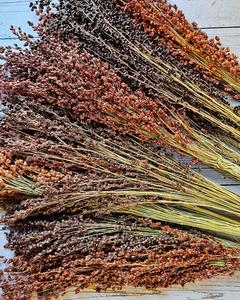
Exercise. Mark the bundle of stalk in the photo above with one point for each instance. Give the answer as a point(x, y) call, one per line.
point(71, 233)
point(55, 254)
point(164, 21)
point(71, 169)
point(57, 176)
point(109, 34)
point(165, 24)
point(62, 75)
point(68, 168)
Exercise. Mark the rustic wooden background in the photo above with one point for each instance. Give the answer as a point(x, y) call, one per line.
point(216, 17)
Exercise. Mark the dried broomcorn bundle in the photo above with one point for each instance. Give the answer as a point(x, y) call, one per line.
point(60, 74)
point(70, 167)
point(53, 255)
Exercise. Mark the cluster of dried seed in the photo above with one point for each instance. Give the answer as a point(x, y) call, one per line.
point(165, 22)
point(61, 158)
point(85, 86)
point(98, 172)
point(67, 176)
point(109, 33)
point(70, 251)
point(61, 74)
point(165, 25)
point(140, 62)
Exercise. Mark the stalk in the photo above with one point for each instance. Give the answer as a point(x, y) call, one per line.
point(87, 89)
point(63, 252)
point(184, 39)
point(127, 177)
point(128, 46)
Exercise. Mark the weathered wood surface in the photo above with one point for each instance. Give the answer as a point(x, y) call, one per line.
point(211, 13)
point(216, 17)
point(15, 13)
point(229, 37)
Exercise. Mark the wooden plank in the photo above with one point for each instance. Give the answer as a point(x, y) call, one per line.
point(228, 37)
point(6, 20)
point(214, 289)
point(210, 13)
point(15, 13)
point(219, 178)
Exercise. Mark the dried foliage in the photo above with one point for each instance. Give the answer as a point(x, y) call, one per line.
point(79, 175)
point(166, 25)
point(57, 254)
point(108, 33)
point(71, 233)
point(63, 75)
point(165, 22)
point(73, 167)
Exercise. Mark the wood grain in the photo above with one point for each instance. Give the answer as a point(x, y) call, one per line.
point(228, 36)
point(211, 13)
point(15, 13)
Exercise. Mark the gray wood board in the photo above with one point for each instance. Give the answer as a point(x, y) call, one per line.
point(211, 13)
point(15, 13)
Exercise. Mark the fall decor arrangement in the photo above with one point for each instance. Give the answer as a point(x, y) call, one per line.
point(94, 111)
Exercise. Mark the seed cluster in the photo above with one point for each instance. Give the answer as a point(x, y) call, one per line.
point(61, 74)
point(165, 24)
point(79, 168)
point(78, 174)
point(69, 234)
point(164, 21)
point(56, 254)
point(83, 85)
point(150, 63)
